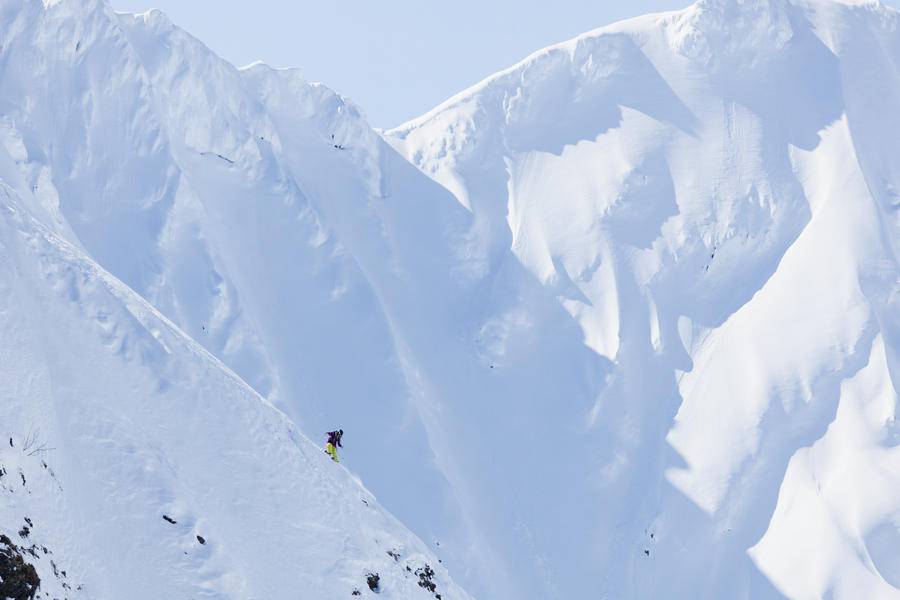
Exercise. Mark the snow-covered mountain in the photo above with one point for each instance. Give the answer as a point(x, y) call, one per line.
point(710, 196)
point(113, 420)
point(630, 330)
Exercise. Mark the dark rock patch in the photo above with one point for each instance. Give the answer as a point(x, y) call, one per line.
point(18, 579)
point(373, 580)
point(426, 580)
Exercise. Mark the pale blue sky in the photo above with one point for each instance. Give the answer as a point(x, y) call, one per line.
point(395, 58)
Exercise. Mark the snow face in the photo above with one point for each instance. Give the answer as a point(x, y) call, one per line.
point(138, 466)
point(233, 213)
point(629, 330)
point(705, 195)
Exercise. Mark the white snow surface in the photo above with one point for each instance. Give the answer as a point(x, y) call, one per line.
point(114, 419)
point(630, 329)
point(710, 198)
point(111, 416)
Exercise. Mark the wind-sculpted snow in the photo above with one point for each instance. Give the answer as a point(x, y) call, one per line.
point(724, 231)
point(630, 330)
point(724, 34)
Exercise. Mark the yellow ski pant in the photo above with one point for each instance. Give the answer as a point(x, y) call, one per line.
point(332, 451)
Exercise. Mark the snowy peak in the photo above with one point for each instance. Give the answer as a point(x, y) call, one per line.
point(722, 34)
point(715, 35)
point(700, 191)
point(158, 179)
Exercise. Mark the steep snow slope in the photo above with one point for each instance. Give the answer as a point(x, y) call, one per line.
point(112, 418)
point(218, 195)
point(339, 282)
point(710, 195)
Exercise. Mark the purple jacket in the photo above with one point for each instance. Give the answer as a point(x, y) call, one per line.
point(334, 438)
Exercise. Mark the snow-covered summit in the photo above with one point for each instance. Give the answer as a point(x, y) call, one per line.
point(721, 34)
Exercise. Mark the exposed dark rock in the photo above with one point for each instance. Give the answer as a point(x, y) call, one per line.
point(169, 519)
point(373, 580)
point(426, 579)
point(201, 539)
point(18, 579)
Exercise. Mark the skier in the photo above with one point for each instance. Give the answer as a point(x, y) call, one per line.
point(333, 443)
